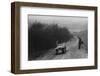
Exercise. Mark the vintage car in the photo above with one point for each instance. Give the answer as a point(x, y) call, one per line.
point(61, 48)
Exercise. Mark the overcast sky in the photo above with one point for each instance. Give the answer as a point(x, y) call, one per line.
point(74, 24)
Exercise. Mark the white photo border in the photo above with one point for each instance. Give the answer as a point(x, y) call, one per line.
point(25, 64)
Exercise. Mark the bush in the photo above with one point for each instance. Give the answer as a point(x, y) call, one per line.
point(42, 37)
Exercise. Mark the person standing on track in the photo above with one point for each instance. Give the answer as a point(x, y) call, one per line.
point(80, 42)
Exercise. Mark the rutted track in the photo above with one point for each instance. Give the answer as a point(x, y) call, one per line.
point(72, 53)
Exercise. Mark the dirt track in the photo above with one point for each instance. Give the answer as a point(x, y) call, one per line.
point(72, 53)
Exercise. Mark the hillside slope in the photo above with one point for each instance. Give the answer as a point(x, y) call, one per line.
point(72, 53)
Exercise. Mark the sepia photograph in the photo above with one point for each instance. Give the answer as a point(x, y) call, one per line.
point(52, 37)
